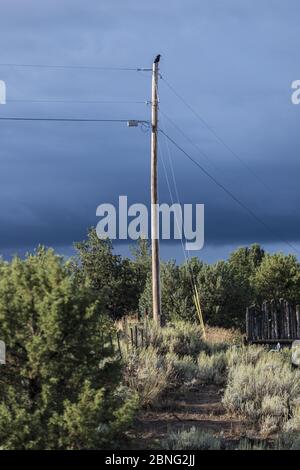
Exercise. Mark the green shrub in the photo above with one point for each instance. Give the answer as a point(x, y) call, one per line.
point(192, 439)
point(262, 387)
point(293, 424)
point(212, 368)
point(269, 424)
point(244, 355)
point(147, 373)
point(289, 441)
point(181, 338)
point(185, 370)
point(53, 394)
point(246, 444)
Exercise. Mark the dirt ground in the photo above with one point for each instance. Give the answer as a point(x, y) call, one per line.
point(201, 408)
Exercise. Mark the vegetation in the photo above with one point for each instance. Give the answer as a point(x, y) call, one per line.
point(69, 384)
point(263, 387)
point(60, 386)
point(191, 439)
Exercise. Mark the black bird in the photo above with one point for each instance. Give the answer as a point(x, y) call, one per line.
point(157, 59)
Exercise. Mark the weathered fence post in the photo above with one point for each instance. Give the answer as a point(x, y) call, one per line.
point(298, 321)
point(248, 328)
point(136, 336)
point(293, 321)
point(119, 344)
point(274, 332)
point(131, 336)
point(287, 319)
point(282, 318)
point(273, 321)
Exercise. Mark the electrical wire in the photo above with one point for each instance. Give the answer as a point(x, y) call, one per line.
point(74, 101)
point(186, 253)
point(227, 191)
point(199, 149)
point(87, 67)
point(216, 135)
point(69, 119)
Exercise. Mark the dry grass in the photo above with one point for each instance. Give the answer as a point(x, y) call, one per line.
point(191, 439)
point(212, 368)
point(262, 387)
point(215, 335)
point(147, 373)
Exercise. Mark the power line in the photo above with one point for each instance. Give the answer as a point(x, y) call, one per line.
point(217, 136)
point(42, 100)
point(227, 191)
point(87, 67)
point(68, 119)
point(204, 154)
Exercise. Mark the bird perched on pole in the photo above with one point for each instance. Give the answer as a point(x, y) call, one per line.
point(157, 59)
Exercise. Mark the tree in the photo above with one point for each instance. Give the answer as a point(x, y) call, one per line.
point(221, 295)
point(246, 260)
point(141, 264)
point(244, 263)
point(278, 276)
point(112, 277)
point(176, 290)
point(57, 389)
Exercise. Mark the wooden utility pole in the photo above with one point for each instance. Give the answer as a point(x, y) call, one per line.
point(156, 307)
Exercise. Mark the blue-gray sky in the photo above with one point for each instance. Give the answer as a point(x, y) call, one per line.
point(232, 61)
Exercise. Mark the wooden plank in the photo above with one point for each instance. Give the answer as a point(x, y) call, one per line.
point(298, 321)
point(278, 319)
point(274, 320)
point(282, 319)
point(287, 319)
point(119, 344)
point(131, 337)
point(259, 322)
point(272, 341)
point(264, 321)
point(248, 325)
point(268, 320)
point(293, 321)
point(254, 325)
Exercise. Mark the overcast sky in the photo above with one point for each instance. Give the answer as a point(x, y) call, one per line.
point(232, 61)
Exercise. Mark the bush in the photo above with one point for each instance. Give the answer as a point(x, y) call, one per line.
point(181, 338)
point(293, 424)
point(246, 444)
point(244, 355)
point(147, 373)
point(192, 439)
point(217, 335)
point(185, 369)
point(262, 387)
point(289, 441)
point(212, 368)
point(53, 394)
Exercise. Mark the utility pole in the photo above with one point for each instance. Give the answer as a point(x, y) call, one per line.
point(156, 307)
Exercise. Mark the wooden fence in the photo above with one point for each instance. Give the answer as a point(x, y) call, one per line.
point(273, 322)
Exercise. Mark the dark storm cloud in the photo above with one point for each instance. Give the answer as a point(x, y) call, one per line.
point(233, 61)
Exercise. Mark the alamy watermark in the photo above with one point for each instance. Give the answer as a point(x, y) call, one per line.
point(2, 92)
point(175, 222)
point(295, 97)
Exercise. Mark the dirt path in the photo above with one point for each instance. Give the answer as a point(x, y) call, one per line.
point(201, 408)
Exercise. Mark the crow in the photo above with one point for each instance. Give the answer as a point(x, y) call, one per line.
point(157, 58)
